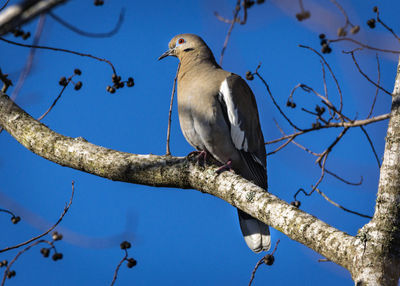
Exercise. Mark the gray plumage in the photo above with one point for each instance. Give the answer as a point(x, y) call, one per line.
point(218, 114)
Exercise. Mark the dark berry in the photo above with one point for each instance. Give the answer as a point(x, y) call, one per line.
point(249, 76)
point(269, 259)
point(375, 9)
point(3, 263)
point(131, 262)
point(130, 82)
point(45, 252)
point(125, 245)
point(63, 81)
point(57, 256)
point(322, 36)
point(15, 219)
point(371, 23)
point(26, 35)
point(11, 274)
point(98, 2)
point(77, 71)
point(57, 236)
point(78, 85)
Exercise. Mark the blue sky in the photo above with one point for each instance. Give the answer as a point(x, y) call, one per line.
point(183, 237)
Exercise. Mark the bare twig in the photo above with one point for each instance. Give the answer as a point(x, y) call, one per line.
point(330, 71)
point(372, 146)
point(364, 45)
point(55, 101)
point(5, 4)
point(355, 123)
point(228, 35)
point(341, 207)
point(364, 74)
point(274, 101)
point(377, 89)
point(20, 253)
point(168, 152)
point(66, 208)
point(29, 62)
point(378, 19)
point(61, 50)
point(118, 267)
point(90, 34)
point(261, 261)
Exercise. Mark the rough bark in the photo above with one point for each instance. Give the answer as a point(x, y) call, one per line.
point(378, 249)
point(372, 257)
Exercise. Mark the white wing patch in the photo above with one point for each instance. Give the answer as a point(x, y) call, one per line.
point(237, 134)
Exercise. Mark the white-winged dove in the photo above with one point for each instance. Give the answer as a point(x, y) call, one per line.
point(218, 114)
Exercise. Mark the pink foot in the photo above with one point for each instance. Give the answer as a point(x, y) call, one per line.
point(201, 156)
point(226, 167)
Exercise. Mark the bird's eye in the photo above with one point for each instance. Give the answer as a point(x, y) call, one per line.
point(181, 41)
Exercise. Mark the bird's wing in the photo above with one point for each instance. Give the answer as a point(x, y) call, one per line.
point(240, 108)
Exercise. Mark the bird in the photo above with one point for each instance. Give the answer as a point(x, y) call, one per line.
point(218, 116)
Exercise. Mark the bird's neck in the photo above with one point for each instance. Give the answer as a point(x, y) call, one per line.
point(195, 62)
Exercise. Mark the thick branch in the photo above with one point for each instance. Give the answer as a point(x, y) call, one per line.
point(17, 15)
point(167, 171)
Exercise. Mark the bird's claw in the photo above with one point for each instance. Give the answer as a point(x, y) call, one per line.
point(226, 167)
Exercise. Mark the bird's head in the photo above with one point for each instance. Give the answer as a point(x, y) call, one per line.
point(187, 45)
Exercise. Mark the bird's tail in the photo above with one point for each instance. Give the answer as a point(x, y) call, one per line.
point(255, 233)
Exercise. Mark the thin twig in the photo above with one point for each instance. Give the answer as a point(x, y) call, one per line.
point(5, 4)
point(66, 208)
point(261, 261)
point(343, 12)
point(341, 207)
point(61, 50)
point(364, 45)
point(372, 146)
point(364, 74)
point(274, 101)
point(228, 35)
point(118, 266)
point(90, 34)
point(170, 110)
point(29, 62)
point(386, 26)
point(55, 101)
point(19, 254)
point(355, 123)
point(343, 180)
point(377, 89)
point(330, 71)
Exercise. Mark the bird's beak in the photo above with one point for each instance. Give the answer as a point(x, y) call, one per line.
point(170, 52)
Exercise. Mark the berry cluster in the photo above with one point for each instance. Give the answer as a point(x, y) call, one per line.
point(17, 32)
point(326, 49)
point(9, 274)
point(249, 3)
point(64, 81)
point(131, 262)
point(46, 251)
point(290, 104)
point(372, 22)
point(117, 83)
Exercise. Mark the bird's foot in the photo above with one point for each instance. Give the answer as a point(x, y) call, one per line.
point(226, 167)
point(201, 156)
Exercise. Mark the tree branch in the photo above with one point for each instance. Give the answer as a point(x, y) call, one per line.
point(168, 171)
